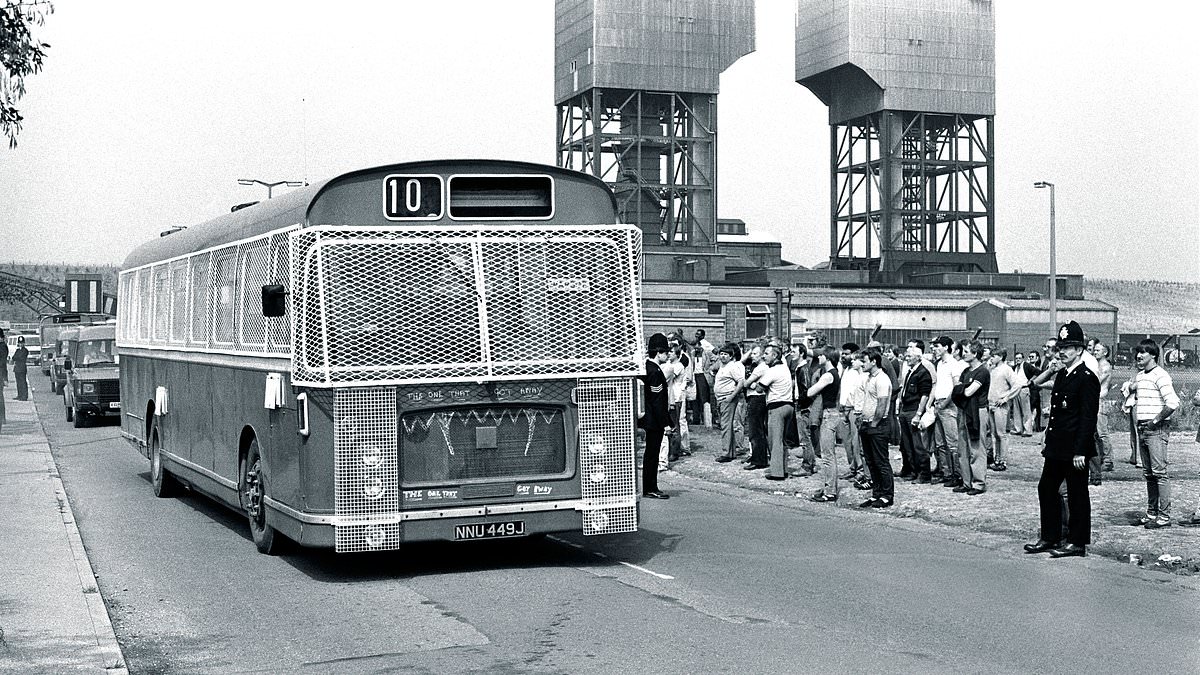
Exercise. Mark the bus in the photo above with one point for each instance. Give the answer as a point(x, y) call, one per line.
point(437, 350)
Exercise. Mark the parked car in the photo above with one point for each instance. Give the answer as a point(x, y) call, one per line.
point(93, 386)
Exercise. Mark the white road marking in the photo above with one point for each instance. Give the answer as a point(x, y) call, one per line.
point(598, 554)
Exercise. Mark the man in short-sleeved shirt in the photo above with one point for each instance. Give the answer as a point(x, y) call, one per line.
point(877, 398)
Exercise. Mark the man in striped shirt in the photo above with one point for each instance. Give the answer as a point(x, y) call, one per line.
point(1156, 401)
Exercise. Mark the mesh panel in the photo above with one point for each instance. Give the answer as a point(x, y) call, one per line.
point(606, 449)
point(279, 329)
point(425, 304)
point(162, 303)
point(254, 271)
point(179, 301)
point(198, 267)
point(223, 299)
point(463, 444)
point(366, 472)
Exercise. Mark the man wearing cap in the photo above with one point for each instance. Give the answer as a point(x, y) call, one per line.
point(1070, 441)
point(656, 416)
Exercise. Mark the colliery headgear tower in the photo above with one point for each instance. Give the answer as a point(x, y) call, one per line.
point(635, 82)
point(910, 86)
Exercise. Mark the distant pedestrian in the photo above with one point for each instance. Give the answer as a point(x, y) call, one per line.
point(974, 422)
point(824, 394)
point(727, 386)
point(1103, 460)
point(1001, 392)
point(1034, 366)
point(3, 374)
point(777, 382)
point(1155, 403)
point(20, 369)
point(1070, 441)
point(915, 389)
point(944, 432)
point(655, 415)
point(1021, 412)
point(877, 398)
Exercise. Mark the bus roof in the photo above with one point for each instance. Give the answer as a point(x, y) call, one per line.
point(356, 198)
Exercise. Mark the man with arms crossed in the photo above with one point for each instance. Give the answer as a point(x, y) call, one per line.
point(916, 385)
point(944, 432)
point(824, 393)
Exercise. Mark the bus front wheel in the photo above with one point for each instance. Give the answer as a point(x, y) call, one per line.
point(254, 492)
point(163, 482)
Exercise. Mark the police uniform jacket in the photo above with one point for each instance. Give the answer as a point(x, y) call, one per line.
point(1074, 404)
point(655, 395)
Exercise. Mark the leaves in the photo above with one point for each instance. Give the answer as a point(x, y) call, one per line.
point(20, 56)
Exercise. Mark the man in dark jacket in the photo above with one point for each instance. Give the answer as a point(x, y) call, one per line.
point(1070, 442)
point(656, 415)
point(21, 369)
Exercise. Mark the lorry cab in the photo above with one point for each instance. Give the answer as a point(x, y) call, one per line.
point(92, 389)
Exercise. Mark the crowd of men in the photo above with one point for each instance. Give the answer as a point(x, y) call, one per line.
point(950, 406)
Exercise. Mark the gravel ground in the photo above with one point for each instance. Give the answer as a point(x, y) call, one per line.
point(1009, 507)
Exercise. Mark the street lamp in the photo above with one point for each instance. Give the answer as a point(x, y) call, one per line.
point(269, 186)
point(1053, 276)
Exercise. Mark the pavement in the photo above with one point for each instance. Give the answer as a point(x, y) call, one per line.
point(52, 618)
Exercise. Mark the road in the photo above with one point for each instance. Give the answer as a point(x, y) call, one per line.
point(717, 580)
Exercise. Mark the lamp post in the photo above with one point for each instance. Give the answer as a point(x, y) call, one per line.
point(1053, 276)
point(269, 186)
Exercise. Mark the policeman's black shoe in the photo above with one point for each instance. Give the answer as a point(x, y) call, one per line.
point(1068, 551)
point(1041, 546)
point(656, 494)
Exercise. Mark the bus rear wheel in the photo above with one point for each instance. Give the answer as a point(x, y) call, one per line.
point(163, 482)
point(254, 492)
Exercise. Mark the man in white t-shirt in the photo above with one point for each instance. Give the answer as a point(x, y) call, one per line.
point(945, 428)
point(777, 381)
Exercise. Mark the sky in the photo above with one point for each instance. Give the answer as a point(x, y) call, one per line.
point(147, 113)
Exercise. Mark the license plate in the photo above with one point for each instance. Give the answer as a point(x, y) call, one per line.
point(115, 405)
point(514, 528)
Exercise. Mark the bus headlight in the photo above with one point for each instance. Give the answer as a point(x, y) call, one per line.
point(596, 445)
point(89, 388)
point(373, 489)
point(371, 456)
point(599, 520)
point(375, 536)
point(597, 475)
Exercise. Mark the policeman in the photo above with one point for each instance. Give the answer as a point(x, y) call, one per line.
point(1070, 442)
point(655, 417)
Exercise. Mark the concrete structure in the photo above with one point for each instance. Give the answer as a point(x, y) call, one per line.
point(635, 82)
point(910, 86)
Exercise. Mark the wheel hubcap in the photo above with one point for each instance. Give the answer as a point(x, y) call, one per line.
point(254, 492)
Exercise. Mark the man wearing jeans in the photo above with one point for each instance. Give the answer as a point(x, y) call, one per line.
point(944, 432)
point(1156, 402)
point(824, 394)
point(777, 381)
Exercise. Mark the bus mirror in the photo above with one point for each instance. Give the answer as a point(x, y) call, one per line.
point(67, 364)
point(274, 300)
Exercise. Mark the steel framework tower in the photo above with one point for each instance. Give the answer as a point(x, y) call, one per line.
point(910, 86)
point(635, 86)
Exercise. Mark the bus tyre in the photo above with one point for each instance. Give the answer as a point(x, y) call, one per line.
point(163, 482)
point(254, 492)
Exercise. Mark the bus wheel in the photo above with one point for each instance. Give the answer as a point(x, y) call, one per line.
point(254, 492)
point(163, 482)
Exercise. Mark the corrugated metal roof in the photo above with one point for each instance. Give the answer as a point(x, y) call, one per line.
point(849, 298)
point(1061, 305)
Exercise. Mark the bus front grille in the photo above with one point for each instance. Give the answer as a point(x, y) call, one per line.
point(366, 471)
